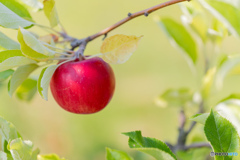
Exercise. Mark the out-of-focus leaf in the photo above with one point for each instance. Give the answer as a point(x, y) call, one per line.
point(21, 150)
point(221, 134)
point(7, 44)
point(9, 54)
point(151, 146)
point(35, 5)
point(226, 13)
point(50, 157)
point(180, 36)
point(27, 90)
point(118, 49)
point(44, 80)
point(3, 156)
point(5, 74)
point(175, 97)
point(17, 8)
point(7, 130)
point(113, 154)
point(19, 76)
point(200, 118)
point(217, 32)
point(10, 19)
point(32, 47)
point(51, 12)
point(225, 67)
point(208, 80)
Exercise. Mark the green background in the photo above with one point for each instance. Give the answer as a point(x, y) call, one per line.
point(153, 68)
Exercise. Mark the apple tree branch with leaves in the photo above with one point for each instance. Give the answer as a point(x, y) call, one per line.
point(75, 79)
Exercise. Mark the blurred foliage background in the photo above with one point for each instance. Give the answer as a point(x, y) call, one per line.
point(154, 67)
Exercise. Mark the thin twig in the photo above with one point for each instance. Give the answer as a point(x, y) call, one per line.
point(77, 42)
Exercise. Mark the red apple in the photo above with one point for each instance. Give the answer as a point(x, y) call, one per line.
point(83, 87)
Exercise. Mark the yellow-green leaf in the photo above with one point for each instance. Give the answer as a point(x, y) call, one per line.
point(32, 48)
point(44, 80)
point(10, 19)
point(6, 43)
point(51, 12)
point(119, 48)
point(19, 76)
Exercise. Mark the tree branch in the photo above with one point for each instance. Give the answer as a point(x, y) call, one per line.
point(197, 145)
point(77, 42)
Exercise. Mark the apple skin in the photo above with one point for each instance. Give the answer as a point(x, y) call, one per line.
point(83, 87)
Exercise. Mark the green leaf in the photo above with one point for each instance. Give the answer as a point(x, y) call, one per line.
point(200, 118)
point(175, 97)
point(221, 134)
point(225, 67)
point(35, 5)
point(21, 150)
point(50, 157)
point(113, 154)
point(32, 47)
point(226, 13)
point(4, 55)
point(229, 108)
point(27, 90)
point(13, 20)
point(44, 80)
point(5, 74)
point(51, 12)
point(15, 62)
point(7, 130)
point(17, 8)
point(3, 156)
point(7, 44)
point(151, 146)
point(181, 37)
point(19, 76)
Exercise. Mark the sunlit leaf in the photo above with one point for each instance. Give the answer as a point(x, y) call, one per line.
point(32, 47)
point(51, 12)
point(21, 149)
point(175, 98)
point(50, 157)
point(13, 58)
point(44, 80)
point(7, 130)
point(200, 118)
point(17, 8)
point(180, 36)
point(27, 90)
point(221, 134)
point(9, 19)
point(226, 13)
point(113, 154)
point(7, 44)
point(5, 74)
point(229, 108)
point(19, 76)
point(151, 146)
point(118, 49)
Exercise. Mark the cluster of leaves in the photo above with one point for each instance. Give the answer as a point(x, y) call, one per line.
point(19, 60)
point(15, 148)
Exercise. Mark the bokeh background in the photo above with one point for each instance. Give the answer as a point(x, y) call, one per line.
point(153, 68)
